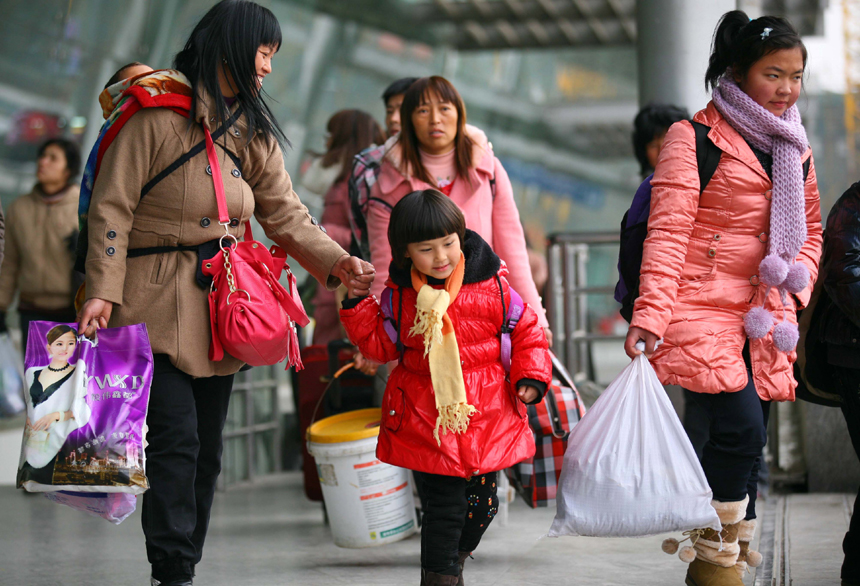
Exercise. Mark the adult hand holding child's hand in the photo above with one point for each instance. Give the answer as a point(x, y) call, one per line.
point(527, 394)
point(357, 275)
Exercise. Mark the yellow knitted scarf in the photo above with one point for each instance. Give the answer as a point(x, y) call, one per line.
point(440, 345)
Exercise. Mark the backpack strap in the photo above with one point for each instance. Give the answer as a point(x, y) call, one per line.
point(806, 165)
point(193, 152)
point(392, 324)
point(388, 311)
point(512, 317)
point(707, 154)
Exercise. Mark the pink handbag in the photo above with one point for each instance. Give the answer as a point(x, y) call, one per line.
point(253, 317)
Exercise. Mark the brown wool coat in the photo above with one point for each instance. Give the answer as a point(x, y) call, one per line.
point(160, 290)
point(38, 259)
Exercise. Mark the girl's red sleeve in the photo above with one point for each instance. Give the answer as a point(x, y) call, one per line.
point(529, 351)
point(365, 327)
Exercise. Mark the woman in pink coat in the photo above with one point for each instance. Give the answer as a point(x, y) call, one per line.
point(349, 133)
point(724, 272)
point(436, 149)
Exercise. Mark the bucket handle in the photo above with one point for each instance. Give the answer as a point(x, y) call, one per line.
point(334, 377)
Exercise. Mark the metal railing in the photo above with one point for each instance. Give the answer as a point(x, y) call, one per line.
point(252, 435)
point(567, 299)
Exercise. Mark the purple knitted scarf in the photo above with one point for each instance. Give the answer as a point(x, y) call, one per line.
point(785, 139)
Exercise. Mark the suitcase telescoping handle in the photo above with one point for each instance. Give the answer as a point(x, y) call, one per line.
point(552, 404)
point(334, 377)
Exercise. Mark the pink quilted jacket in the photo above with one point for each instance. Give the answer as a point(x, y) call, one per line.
point(496, 219)
point(699, 265)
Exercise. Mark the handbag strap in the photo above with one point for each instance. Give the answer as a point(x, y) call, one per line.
point(218, 181)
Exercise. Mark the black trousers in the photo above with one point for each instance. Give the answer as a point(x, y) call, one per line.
point(737, 427)
point(849, 389)
point(186, 418)
point(456, 515)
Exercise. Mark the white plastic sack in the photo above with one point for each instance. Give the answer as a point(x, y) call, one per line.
point(629, 469)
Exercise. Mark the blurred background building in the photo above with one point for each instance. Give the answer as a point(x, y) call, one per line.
point(555, 84)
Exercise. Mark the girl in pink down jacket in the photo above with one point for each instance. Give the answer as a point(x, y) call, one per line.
point(496, 219)
point(723, 273)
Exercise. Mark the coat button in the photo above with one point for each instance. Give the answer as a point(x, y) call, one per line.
point(208, 169)
point(392, 413)
point(110, 251)
point(236, 133)
point(111, 234)
point(314, 221)
point(323, 229)
point(205, 222)
point(768, 195)
point(234, 222)
point(717, 236)
point(712, 253)
point(236, 173)
point(762, 237)
point(754, 281)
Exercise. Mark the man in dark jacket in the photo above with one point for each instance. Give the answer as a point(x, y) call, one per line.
point(840, 332)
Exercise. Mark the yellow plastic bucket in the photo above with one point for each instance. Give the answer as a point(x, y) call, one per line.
point(369, 503)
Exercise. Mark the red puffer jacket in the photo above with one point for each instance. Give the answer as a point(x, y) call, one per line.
point(498, 435)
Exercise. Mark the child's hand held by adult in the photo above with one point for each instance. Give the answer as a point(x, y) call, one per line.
point(527, 394)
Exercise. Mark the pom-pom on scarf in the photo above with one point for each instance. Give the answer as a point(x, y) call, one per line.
point(784, 138)
point(440, 347)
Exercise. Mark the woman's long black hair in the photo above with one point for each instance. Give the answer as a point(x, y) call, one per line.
point(738, 43)
point(230, 35)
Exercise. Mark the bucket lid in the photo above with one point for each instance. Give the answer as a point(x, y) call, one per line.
point(346, 427)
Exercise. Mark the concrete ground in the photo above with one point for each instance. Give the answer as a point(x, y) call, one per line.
point(270, 534)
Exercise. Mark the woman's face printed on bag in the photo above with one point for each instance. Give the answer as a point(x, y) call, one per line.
point(63, 347)
point(775, 80)
point(435, 124)
point(435, 258)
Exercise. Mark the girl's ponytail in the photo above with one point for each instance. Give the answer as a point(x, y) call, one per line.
point(723, 45)
point(739, 42)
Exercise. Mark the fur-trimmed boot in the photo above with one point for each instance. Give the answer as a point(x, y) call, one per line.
point(464, 555)
point(713, 554)
point(717, 552)
point(747, 557)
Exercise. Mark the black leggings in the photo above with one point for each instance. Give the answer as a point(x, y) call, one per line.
point(458, 512)
point(731, 457)
point(186, 417)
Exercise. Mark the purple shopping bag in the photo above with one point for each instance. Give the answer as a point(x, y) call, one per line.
point(86, 410)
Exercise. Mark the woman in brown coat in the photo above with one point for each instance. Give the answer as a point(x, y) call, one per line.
point(40, 241)
point(224, 63)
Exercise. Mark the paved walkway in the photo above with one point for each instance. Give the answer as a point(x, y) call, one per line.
point(270, 534)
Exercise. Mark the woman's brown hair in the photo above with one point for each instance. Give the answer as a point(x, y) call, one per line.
point(57, 332)
point(417, 94)
point(351, 132)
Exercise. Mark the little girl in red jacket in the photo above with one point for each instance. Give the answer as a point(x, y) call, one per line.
point(450, 411)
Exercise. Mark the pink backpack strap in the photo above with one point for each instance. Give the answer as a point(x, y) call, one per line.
point(388, 311)
point(512, 317)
